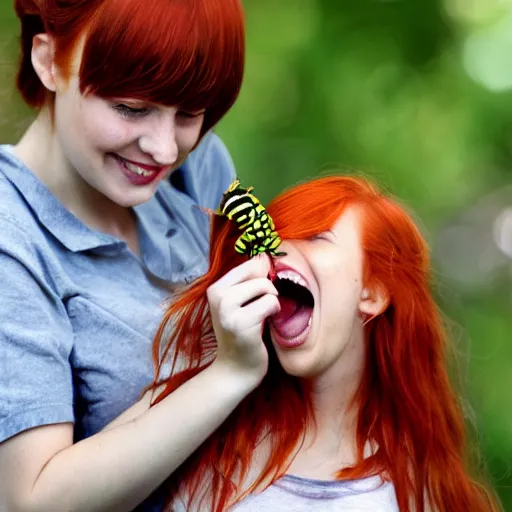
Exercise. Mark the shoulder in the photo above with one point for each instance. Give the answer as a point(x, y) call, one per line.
point(23, 245)
point(25, 250)
point(207, 172)
point(35, 332)
point(17, 187)
point(14, 211)
point(212, 156)
point(19, 239)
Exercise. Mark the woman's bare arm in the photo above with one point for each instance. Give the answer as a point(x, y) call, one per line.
point(117, 468)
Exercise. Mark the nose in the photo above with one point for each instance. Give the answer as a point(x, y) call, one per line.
point(159, 139)
point(286, 246)
point(294, 251)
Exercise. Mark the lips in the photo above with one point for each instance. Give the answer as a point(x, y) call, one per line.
point(138, 173)
point(290, 327)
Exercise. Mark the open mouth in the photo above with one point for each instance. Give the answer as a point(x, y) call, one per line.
point(291, 325)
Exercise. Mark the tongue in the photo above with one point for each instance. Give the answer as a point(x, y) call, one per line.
point(292, 319)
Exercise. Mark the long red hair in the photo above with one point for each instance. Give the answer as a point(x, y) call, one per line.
point(188, 54)
point(405, 402)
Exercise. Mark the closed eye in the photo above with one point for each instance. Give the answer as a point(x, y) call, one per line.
point(128, 111)
point(325, 235)
point(190, 115)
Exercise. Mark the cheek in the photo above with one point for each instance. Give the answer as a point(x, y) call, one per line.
point(97, 125)
point(340, 285)
point(88, 120)
point(187, 137)
point(104, 128)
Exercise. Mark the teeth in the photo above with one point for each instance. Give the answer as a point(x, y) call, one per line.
point(291, 275)
point(137, 170)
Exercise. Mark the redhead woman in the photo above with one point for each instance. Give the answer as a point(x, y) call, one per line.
point(355, 410)
point(98, 224)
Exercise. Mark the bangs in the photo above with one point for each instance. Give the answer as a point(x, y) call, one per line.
point(186, 53)
point(309, 208)
point(314, 207)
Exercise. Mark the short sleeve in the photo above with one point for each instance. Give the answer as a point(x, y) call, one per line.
point(35, 338)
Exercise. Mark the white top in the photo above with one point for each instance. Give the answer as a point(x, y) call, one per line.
point(296, 494)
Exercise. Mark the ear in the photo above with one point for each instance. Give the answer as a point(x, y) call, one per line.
point(374, 301)
point(43, 60)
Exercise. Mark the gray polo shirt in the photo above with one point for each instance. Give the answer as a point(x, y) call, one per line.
point(78, 307)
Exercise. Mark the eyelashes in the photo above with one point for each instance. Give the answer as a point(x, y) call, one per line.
point(190, 115)
point(134, 112)
point(324, 235)
point(128, 111)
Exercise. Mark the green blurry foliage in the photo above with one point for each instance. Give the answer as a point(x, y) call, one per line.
point(379, 87)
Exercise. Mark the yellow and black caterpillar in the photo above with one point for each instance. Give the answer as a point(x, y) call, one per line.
point(243, 208)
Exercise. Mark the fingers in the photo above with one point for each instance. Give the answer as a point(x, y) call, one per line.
point(239, 304)
point(248, 321)
point(260, 309)
point(240, 294)
point(259, 266)
point(246, 304)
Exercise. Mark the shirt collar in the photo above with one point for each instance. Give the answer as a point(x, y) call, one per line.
point(50, 212)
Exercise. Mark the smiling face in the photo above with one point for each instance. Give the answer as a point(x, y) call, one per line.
point(125, 89)
point(121, 147)
point(320, 281)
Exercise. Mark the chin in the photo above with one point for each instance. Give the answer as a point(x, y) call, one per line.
point(303, 373)
point(131, 200)
point(297, 366)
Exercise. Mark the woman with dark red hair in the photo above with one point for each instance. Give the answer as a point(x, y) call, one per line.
point(99, 222)
point(354, 410)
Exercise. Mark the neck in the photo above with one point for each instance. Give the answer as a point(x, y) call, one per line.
point(332, 406)
point(41, 152)
point(333, 392)
point(334, 431)
point(330, 443)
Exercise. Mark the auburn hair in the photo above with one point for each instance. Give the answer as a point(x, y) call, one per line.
point(405, 402)
point(188, 54)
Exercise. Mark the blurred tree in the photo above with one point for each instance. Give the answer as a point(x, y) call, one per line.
point(396, 90)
